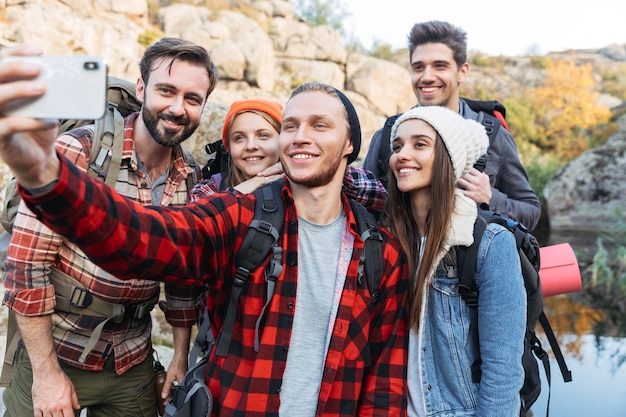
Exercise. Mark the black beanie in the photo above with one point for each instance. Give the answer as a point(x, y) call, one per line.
point(355, 126)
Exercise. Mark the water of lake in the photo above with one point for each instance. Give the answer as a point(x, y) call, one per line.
point(595, 354)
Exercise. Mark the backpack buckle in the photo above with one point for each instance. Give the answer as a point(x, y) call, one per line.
point(240, 277)
point(469, 296)
point(81, 297)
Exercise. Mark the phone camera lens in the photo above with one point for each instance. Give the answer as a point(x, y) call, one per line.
point(91, 65)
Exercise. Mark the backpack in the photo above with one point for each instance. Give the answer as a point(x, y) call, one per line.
point(528, 249)
point(192, 397)
point(218, 164)
point(491, 114)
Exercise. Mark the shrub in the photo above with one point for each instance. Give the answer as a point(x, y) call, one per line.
point(608, 270)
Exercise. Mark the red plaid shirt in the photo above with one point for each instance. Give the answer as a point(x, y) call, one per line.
point(364, 372)
point(35, 248)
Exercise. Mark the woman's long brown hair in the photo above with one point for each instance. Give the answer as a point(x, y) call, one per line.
point(400, 219)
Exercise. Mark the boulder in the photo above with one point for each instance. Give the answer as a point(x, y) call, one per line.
point(584, 195)
point(384, 84)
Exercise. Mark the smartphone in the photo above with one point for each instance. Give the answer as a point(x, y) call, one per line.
point(75, 88)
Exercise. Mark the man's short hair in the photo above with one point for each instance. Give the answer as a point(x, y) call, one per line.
point(177, 49)
point(436, 31)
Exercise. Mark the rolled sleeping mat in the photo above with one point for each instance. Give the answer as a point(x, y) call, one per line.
point(559, 272)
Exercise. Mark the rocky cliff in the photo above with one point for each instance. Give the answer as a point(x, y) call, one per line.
point(265, 53)
point(260, 51)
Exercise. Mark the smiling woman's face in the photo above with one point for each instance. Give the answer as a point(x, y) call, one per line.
point(253, 143)
point(413, 155)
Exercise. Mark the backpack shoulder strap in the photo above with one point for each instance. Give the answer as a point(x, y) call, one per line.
point(491, 123)
point(468, 289)
point(263, 233)
point(492, 126)
point(105, 157)
point(107, 145)
point(372, 262)
point(11, 203)
point(191, 161)
point(466, 264)
point(203, 343)
point(13, 338)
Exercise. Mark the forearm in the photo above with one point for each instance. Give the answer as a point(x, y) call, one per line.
point(52, 391)
point(178, 365)
point(36, 333)
point(182, 339)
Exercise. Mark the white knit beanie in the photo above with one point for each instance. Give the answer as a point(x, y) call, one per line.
point(464, 139)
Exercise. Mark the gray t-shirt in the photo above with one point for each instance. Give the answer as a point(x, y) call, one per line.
point(318, 258)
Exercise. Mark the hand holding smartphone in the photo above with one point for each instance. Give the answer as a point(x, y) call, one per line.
point(75, 88)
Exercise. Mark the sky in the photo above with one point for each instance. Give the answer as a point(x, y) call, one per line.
point(495, 27)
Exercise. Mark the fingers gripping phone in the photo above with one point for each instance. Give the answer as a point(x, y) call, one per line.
point(75, 88)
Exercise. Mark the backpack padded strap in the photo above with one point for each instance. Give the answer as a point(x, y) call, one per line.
point(467, 270)
point(371, 261)
point(263, 233)
point(116, 150)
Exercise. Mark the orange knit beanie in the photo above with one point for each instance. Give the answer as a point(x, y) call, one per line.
point(272, 108)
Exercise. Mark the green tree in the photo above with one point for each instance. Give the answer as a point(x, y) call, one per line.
point(521, 116)
point(323, 12)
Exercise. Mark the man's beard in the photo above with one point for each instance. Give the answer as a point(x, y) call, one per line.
point(319, 178)
point(167, 138)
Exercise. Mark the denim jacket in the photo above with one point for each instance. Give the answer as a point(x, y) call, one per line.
point(441, 352)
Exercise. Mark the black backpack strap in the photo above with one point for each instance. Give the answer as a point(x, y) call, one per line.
point(203, 343)
point(467, 272)
point(263, 233)
point(372, 258)
point(492, 126)
point(272, 272)
point(384, 150)
point(543, 356)
point(487, 110)
point(556, 350)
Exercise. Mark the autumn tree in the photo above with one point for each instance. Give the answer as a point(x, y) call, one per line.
point(566, 106)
